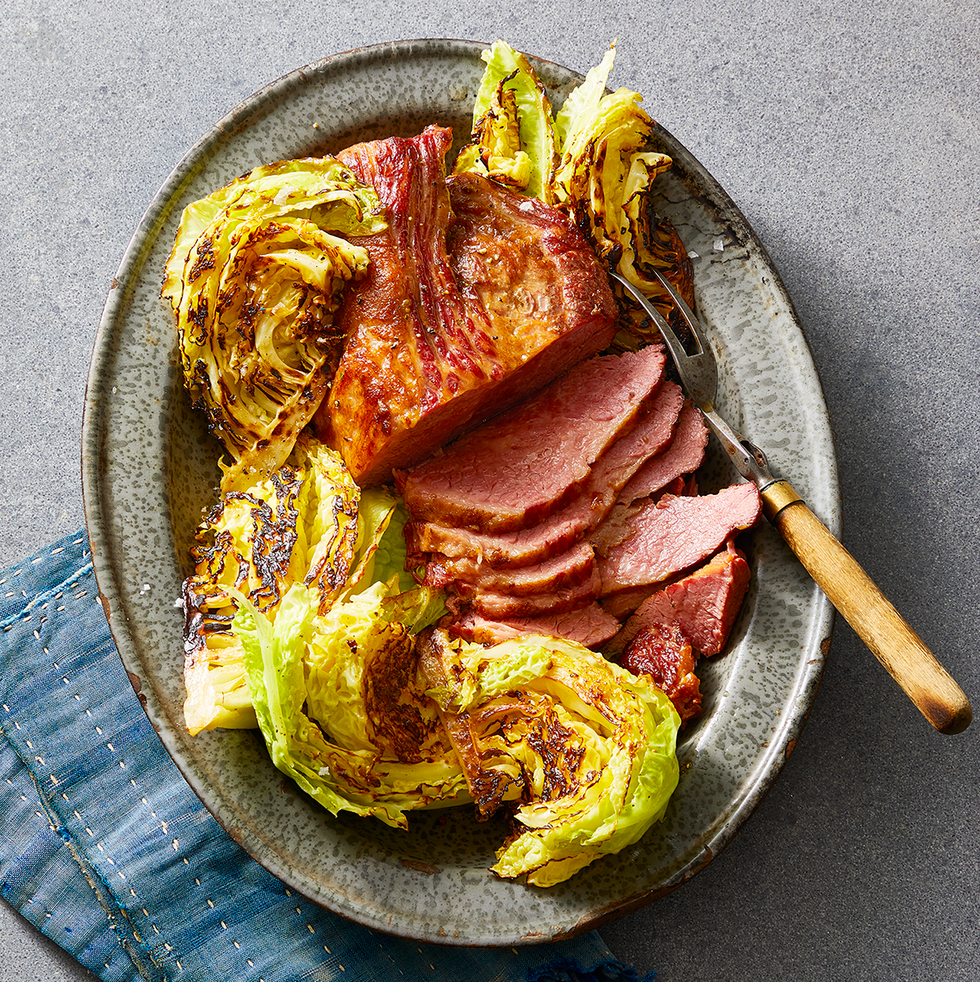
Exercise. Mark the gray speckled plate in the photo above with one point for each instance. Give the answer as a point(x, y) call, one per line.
point(149, 473)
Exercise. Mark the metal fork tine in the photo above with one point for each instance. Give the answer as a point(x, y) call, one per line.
point(672, 341)
point(690, 319)
point(697, 372)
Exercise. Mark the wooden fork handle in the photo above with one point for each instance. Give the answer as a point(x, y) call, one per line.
point(868, 611)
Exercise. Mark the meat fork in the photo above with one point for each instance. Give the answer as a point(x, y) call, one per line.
point(848, 587)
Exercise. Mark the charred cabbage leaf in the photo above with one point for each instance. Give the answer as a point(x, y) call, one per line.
point(255, 278)
point(585, 748)
point(513, 131)
point(341, 704)
point(605, 177)
point(298, 525)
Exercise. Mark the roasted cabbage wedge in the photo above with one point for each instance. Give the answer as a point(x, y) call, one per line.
point(340, 701)
point(586, 749)
point(255, 278)
point(306, 523)
point(597, 164)
point(513, 130)
point(605, 178)
point(298, 525)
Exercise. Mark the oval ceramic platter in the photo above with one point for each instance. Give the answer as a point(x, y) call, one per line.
point(150, 473)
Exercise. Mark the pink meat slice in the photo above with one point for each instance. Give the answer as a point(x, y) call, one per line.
point(553, 601)
point(704, 604)
point(652, 432)
point(524, 464)
point(568, 568)
point(662, 538)
point(684, 456)
point(589, 625)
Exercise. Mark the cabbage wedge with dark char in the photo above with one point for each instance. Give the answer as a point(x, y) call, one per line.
point(583, 751)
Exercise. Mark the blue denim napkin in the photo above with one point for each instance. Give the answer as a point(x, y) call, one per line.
point(107, 850)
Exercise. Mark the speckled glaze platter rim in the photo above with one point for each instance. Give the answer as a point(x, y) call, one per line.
point(144, 489)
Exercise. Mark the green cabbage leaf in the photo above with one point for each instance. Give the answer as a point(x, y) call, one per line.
point(586, 749)
point(255, 278)
point(513, 130)
point(300, 524)
point(307, 524)
point(597, 161)
point(341, 705)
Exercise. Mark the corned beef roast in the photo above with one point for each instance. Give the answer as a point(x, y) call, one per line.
point(566, 568)
point(589, 625)
point(577, 568)
point(683, 456)
point(569, 500)
point(704, 604)
point(503, 605)
point(459, 550)
point(645, 545)
point(438, 341)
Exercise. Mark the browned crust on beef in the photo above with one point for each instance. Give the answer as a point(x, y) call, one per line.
point(428, 353)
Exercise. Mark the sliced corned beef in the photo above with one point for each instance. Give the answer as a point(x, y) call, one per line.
point(425, 358)
point(652, 431)
point(703, 604)
point(589, 625)
point(568, 568)
point(684, 455)
point(502, 606)
point(522, 466)
point(662, 538)
point(507, 549)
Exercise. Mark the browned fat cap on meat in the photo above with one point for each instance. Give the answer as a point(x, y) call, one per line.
point(429, 351)
point(646, 545)
point(523, 465)
point(474, 556)
point(703, 604)
point(664, 653)
point(590, 625)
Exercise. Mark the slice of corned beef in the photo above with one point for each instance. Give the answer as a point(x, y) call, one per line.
point(652, 431)
point(684, 455)
point(425, 358)
point(703, 604)
point(662, 538)
point(520, 467)
point(568, 568)
point(504, 550)
point(589, 625)
point(503, 606)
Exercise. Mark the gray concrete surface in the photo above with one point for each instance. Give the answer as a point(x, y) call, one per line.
point(848, 133)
